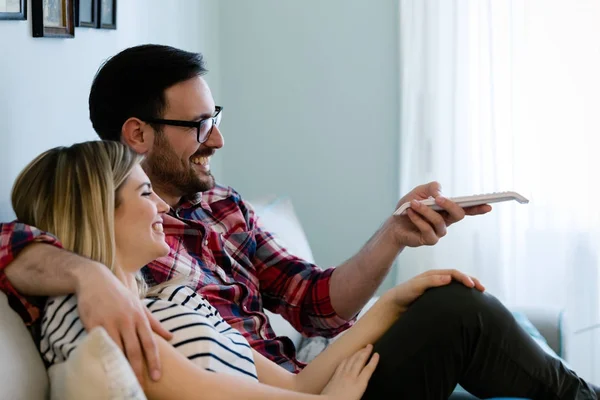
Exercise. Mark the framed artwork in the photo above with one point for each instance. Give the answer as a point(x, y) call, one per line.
point(107, 11)
point(53, 18)
point(86, 13)
point(13, 9)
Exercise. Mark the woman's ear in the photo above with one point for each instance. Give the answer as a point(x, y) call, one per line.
point(138, 135)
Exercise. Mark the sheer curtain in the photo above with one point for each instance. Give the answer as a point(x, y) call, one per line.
point(504, 95)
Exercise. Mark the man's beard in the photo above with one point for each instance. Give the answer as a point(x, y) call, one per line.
point(172, 174)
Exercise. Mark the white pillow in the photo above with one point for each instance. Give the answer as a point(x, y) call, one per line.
point(279, 218)
point(96, 370)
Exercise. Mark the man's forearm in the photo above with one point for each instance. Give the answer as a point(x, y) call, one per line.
point(44, 270)
point(355, 281)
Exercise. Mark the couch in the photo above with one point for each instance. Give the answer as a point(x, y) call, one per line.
point(22, 372)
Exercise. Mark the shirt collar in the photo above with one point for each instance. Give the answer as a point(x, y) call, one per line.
point(190, 202)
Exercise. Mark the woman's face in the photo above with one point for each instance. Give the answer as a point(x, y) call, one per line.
point(138, 223)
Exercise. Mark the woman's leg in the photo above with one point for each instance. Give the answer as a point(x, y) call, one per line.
point(454, 334)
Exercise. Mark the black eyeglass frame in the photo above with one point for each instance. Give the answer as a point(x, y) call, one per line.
point(216, 120)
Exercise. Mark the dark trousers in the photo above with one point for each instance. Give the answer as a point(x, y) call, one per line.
point(454, 334)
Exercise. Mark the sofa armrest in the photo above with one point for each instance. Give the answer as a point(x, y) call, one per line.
point(551, 323)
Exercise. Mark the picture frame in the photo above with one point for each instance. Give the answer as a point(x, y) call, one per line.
point(86, 13)
point(53, 18)
point(13, 10)
point(107, 14)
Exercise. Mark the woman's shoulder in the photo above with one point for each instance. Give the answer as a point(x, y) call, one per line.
point(58, 306)
point(61, 329)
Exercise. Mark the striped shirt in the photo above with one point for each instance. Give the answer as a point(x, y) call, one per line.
point(217, 242)
point(199, 332)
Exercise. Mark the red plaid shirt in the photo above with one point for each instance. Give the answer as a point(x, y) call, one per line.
point(239, 268)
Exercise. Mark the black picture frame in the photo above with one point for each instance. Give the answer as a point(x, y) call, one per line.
point(83, 21)
point(53, 18)
point(107, 14)
point(16, 15)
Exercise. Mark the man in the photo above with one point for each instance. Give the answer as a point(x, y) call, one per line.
point(154, 99)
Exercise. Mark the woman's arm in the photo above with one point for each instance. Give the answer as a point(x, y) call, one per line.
point(181, 379)
point(317, 374)
point(367, 330)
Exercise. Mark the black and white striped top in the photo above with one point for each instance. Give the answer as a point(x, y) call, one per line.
point(199, 332)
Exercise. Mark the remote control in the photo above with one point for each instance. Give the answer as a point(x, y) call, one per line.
point(469, 201)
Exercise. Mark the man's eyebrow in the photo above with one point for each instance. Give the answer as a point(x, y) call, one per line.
point(148, 184)
point(203, 116)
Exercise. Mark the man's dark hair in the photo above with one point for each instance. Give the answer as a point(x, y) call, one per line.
point(133, 84)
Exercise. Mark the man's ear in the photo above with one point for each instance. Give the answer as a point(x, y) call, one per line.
point(138, 135)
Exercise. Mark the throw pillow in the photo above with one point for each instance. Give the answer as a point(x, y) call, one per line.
point(96, 370)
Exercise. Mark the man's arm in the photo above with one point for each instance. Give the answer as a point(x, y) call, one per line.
point(355, 281)
point(44, 270)
point(29, 267)
point(292, 287)
point(14, 237)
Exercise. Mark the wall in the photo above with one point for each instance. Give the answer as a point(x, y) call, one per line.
point(310, 91)
point(44, 83)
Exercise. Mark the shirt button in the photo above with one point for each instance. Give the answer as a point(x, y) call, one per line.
point(206, 242)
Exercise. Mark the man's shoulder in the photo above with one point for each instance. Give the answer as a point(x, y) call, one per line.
point(220, 193)
point(227, 206)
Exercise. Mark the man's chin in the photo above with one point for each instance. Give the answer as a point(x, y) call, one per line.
point(206, 181)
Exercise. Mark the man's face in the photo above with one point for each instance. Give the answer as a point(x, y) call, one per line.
point(177, 163)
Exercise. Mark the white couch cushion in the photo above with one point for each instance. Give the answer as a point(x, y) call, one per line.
point(22, 372)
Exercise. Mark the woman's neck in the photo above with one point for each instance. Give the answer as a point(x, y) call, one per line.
point(128, 279)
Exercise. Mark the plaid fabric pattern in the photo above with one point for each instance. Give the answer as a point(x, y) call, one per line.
point(217, 244)
point(14, 237)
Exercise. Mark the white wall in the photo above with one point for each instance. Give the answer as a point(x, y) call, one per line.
point(44, 83)
point(310, 90)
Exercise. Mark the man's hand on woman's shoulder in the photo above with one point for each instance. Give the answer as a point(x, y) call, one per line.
point(102, 300)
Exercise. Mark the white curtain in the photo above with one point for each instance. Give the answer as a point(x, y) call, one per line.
point(501, 95)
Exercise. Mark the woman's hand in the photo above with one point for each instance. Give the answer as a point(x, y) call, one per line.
point(406, 293)
point(351, 377)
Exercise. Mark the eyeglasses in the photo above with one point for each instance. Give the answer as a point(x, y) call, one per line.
point(203, 127)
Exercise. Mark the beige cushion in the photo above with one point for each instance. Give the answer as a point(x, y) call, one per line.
point(96, 370)
point(22, 372)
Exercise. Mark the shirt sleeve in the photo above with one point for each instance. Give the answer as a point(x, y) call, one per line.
point(293, 287)
point(14, 236)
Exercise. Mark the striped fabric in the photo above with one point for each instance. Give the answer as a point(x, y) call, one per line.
point(217, 243)
point(199, 332)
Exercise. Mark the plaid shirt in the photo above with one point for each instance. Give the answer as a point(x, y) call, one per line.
point(216, 242)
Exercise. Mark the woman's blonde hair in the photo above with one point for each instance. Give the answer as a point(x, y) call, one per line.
point(73, 192)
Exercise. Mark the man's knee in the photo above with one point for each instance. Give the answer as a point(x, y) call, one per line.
point(454, 297)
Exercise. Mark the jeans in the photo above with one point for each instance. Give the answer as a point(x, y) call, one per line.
point(454, 334)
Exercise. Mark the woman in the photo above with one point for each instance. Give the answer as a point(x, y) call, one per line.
point(97, 200)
